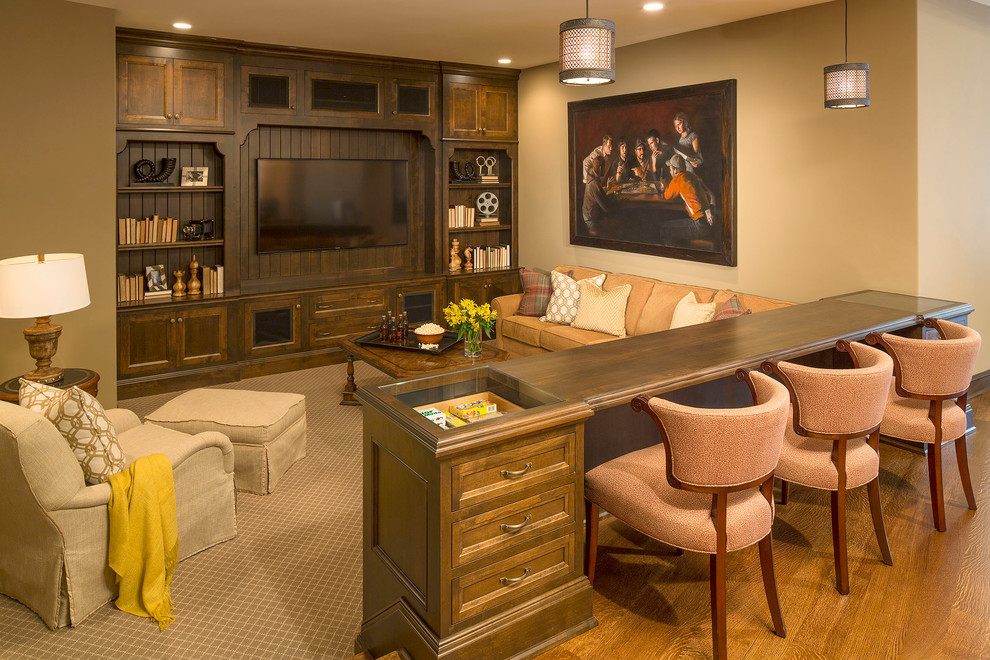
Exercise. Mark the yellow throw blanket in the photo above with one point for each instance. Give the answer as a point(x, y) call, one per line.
point(144, 538)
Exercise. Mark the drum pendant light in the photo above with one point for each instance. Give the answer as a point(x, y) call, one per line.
point(587, 51)
point(847, 85)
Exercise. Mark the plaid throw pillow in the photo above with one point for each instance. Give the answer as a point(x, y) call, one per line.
point(536, 293)
point(730, 308)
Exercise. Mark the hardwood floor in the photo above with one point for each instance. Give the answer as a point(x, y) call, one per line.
point(934, 602)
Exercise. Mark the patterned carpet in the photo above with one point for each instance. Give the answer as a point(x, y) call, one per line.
point(289, 584)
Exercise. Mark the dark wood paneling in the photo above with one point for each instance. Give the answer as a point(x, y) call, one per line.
point(401, 535)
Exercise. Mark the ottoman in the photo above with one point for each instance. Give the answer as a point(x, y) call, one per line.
point(267, 429)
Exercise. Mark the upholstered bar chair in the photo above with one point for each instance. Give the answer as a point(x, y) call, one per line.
point(927, 400)
point(833, 442)
point(708, 487)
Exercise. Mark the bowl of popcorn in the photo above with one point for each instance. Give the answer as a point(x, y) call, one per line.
point(429, 333)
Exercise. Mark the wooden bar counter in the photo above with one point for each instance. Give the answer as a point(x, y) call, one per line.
point(473, 536)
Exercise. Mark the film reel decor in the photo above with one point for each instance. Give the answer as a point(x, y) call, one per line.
point(487, 204)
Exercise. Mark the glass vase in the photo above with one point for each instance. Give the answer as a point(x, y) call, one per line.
point(472, 344)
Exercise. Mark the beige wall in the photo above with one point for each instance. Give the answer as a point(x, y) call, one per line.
point(954, 163)
point(827, 199)
point(57, 164)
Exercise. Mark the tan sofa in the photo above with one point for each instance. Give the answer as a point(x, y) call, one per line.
point(650, 309)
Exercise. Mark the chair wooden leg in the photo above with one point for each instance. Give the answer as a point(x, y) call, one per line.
point(785, 491)
point(678, 552)
point(717, 574)
point(770, 585)
point(838, 499)
point(873, 490)
point(963, 462)
point(590, 539)
point(935, 484)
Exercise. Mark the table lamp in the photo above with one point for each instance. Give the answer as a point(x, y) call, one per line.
point(40, 286)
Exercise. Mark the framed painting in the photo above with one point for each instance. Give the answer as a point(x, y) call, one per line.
point(655, 172)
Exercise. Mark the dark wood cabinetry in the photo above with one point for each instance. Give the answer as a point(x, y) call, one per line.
point(269, 90)
point(163, 91)
point(477, 107)
point(484, 287)
point(273, 326)
point(161, 340)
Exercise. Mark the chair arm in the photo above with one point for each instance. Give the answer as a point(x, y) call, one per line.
point(89, 497)
point(217, 439)
point(123, 419)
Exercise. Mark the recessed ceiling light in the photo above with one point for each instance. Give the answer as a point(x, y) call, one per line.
point(653, 6)
point(505, 60)
point(181, 26)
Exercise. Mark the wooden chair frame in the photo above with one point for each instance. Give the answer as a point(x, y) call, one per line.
point(838, 497)
point(719, 510)
point(934, 450)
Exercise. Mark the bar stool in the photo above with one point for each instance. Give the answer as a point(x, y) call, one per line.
point(927, 373)
point(707, 488)
point(834, 441)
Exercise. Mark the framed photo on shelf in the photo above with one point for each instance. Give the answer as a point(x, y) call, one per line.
point(655, 172)
point(155, 278)
point(195, 176)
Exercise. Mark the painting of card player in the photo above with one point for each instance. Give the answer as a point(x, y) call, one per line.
point(669, 188)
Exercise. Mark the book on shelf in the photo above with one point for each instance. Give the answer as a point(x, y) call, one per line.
point(491, 220)
point(486, 257)
point(489, 178)
point(131, 231)
point(212, 280)
point(459, 216)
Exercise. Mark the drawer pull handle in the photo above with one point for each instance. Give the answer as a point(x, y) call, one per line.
point(516, 473)
point(321, 335)
point(522, 577)
point(373, 302)
point(516, 528)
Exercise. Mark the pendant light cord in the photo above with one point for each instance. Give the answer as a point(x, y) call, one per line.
point(587, 12)
point(846, 30)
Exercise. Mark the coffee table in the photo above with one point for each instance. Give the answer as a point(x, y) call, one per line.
point(400, 363)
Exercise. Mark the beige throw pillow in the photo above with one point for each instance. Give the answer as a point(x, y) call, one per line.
point(84, 424)
point(602, 311)
point(563, 304)
point(691, 312)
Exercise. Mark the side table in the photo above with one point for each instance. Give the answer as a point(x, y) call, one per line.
point(85, 379)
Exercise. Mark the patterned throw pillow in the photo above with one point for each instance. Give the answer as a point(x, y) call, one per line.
point(563, 304)
point(84, 424)
point(536, 293)
point(691, 312)
point(602, 311)
point(729, 309)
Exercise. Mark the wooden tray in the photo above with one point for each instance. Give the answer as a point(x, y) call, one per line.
point(410, 343)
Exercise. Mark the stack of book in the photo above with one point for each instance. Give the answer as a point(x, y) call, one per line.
point(491, 256)
point(212, 279)
point(131, 231)
point(487, 221)
point(460, 216)
point(132, 287)
point(489, 178)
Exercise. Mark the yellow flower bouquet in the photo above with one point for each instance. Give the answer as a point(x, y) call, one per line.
point(469, 319)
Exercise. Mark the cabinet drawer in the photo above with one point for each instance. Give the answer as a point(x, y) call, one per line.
point(515, 578)
point(488, 477)
point(492, 531)
point(334, 302)
point(326, 332)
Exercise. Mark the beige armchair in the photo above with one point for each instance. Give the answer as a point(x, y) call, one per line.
point(54, 527)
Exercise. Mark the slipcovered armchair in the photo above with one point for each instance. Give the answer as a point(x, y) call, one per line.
point(54, 527)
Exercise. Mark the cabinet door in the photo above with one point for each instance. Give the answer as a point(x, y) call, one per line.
point(143, 95)
point(413, 100)
point(201, 336)
point(268, 91)
point(145, 343)
point(501, 285)
point(199, 93)
point(498, 112)
point(420, 302)
point(462, 110)
point(343, 95)
point(473, 288)
point(273, 326)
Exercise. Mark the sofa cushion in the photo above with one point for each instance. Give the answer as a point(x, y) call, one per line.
point(580, 272)
point(730, 309)
point(566, 294)
point(689, 311)
point(83, 423)
point(642, 287)
point(659, 308)
point(602, 311)
point(526, 329)
point(537, 290)
point(561, 337)
point(748, 301)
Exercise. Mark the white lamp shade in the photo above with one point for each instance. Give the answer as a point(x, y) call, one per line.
point(31, 287)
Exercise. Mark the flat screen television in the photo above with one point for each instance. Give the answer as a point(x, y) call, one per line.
point(331, 204)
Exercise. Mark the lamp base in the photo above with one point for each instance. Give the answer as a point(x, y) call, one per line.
point(42, 341)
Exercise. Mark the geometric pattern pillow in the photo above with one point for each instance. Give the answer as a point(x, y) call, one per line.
point(691, 312)
point(84, 424)
point(563, 304)
point(729, 309)
point(602, 311)
point(536, 293)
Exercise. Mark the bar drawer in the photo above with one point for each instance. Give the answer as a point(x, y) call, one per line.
point(360, 299)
